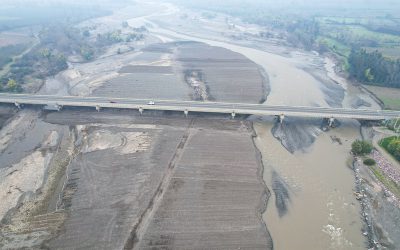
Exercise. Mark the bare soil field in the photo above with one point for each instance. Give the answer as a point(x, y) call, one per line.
point(160, 72)
point(109, 188)
point(15, 37)
point(214, 187)
point(127, 175)
point(228, 76)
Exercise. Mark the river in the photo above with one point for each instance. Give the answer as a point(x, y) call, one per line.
point(312, 205)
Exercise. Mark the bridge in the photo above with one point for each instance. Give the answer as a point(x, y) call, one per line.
point(57, 102)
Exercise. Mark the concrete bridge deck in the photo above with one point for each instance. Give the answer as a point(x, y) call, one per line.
point(196, 106)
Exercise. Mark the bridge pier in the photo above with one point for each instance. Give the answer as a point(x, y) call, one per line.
point(330, 122)
point(186, 112)
point(58, 107)
point(281, 118)
point(233, 114)
point(18, 105)
point(141, 110)
point(98, 108)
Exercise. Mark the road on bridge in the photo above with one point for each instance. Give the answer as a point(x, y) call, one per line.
point(196, 106)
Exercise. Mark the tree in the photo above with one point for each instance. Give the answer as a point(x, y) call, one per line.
point(361, 147)
point(45, 53)
point(366, 147)
point(368, 75)
point(87, 53)
point(13, 86)
point(394, 148)
point(356, 147)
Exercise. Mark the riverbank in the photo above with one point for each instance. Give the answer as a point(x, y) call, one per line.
point(380, 206)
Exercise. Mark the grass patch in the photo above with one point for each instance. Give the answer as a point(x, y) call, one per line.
point(389, 184)
point(392, 53)
point(389, 96)
point(336, 46)
point(385, 143)
point(391, 103)
point(360, 32)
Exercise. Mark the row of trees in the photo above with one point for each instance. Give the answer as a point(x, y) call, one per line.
point(374, 69)
point(117, 36)
point(303, 32)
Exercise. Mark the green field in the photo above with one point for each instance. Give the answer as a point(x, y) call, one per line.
point(335, 45)
point(389, 96)
point(341, 32)
point(384, 143)
point(392, 52)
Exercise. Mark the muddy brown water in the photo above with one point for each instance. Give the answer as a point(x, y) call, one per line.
point(312, 205)
point(321, 211)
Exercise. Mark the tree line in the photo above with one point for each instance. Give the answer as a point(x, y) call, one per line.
point(374, 69)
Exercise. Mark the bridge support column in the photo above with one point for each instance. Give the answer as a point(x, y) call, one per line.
point(281, 118)
point(98, 108)
point(58, 107)
point(186, 112)
point(331, 121)
point(141, 111)
point(18, 105)
point(233, 114)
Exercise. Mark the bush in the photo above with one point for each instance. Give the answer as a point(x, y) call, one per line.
point(392, 145)
point(366, 147)
point(361, 147)
point(369, 162)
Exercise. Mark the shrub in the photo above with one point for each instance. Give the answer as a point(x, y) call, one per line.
point(394, 148)
point(361, 147)
point(392, 145)
point(356, 147)
point(369, 162)
point(366, 147)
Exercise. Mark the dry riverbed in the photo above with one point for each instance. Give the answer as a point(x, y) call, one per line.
point(115, 179)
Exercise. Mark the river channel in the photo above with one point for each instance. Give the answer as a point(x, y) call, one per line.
point(312, 204)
